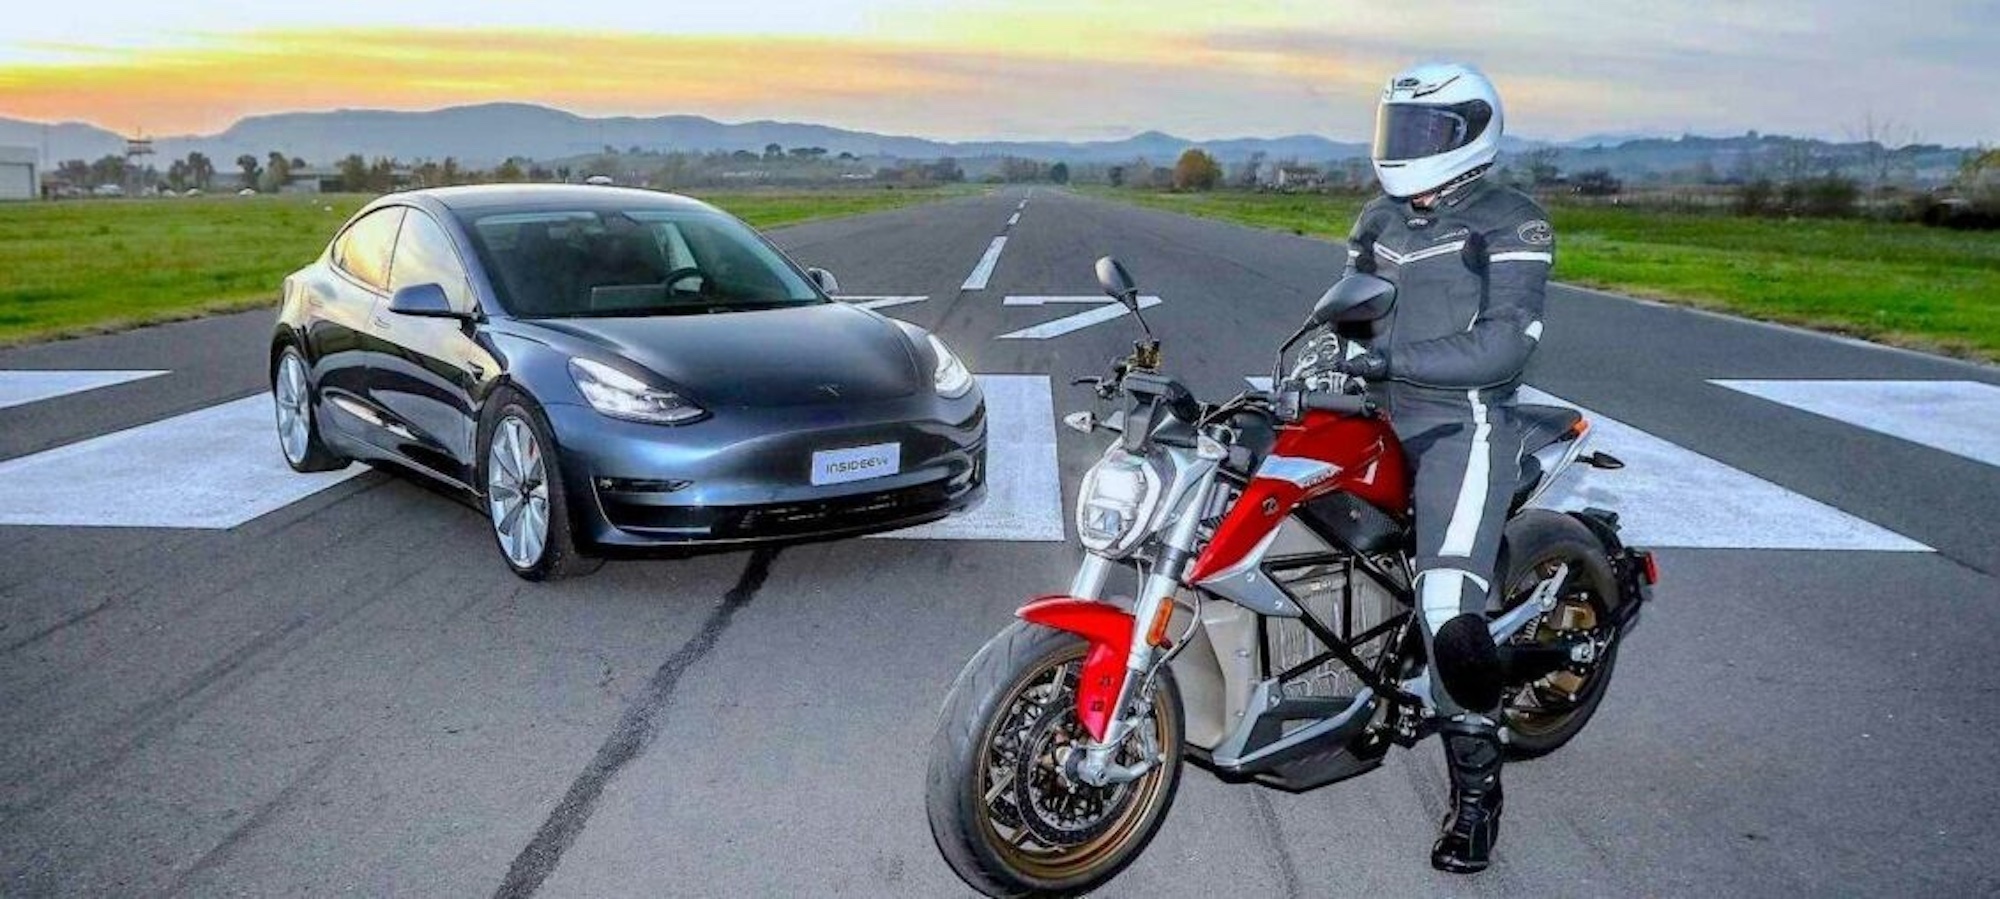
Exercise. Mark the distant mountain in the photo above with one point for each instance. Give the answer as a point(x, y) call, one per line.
point(481, 136)
point(486, 134)
point(69, 140)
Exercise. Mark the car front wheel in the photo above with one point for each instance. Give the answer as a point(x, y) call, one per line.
point(524, 495)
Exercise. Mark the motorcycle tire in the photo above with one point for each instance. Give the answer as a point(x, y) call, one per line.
point(1535, 540)
point(981, 714)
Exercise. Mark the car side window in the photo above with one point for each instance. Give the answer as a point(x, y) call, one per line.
point(425, 255)
point(364, 249)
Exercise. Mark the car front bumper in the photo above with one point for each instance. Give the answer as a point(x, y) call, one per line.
point(744, 476)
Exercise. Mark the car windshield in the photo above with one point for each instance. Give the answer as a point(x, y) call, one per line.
point(573, 263)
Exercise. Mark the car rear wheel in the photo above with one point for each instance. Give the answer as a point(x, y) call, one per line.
point(298, 429)
point(524, 495)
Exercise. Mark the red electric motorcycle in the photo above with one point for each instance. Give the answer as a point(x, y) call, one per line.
point(1268, 634)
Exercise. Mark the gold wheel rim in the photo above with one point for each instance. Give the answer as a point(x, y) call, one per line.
point(1061, 863)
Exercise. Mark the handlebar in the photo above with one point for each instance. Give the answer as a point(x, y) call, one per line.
point(1340, 403)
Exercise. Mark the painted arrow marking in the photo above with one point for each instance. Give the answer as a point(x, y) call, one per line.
point(878, 302)
point(1106, 310)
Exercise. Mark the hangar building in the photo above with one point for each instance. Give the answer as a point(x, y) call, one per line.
point(18, 179)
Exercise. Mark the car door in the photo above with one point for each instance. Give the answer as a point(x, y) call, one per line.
point(431, 370)
point(343, 298)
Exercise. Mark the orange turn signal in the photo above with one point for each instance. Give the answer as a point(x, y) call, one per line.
point(1156, 635)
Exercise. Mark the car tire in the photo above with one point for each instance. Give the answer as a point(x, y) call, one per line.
point(523, 494)
point(298, 423)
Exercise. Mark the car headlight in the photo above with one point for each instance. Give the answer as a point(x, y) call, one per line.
point(620, 395)
point(951, 378)
point(1116, 503)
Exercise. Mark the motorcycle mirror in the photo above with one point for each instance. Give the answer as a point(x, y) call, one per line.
point(1359, 297)
point(1117, 282)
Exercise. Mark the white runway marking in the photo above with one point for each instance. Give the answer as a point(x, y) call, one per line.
point(875, 302)
point(984, 270)
point(19, 388)
point(215, 468)
point(1958, 417)
point(1023, 488)
point(1107, 310)
point(1670, 496)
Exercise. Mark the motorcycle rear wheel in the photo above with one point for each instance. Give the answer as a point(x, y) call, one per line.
point(1001, 812)
point(1543, 716)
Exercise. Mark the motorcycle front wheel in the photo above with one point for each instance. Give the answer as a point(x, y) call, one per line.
point(1004, 812)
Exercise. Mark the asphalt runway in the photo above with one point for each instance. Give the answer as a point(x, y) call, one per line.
point(316, 687)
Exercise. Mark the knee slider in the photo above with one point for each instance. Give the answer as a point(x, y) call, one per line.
point(1467, 663)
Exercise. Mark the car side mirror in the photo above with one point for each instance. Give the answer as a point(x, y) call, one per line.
point(1117, 282)
point(1359, 297)
point(825, 279)
point(423, 301)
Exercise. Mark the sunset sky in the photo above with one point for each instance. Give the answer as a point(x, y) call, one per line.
point(959, 69)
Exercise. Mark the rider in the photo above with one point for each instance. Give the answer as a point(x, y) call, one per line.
point(1470, 258)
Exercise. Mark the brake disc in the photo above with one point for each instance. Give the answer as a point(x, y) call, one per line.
point(1060, 810)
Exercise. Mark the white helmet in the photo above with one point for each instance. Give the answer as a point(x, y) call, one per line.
point(1437, 122)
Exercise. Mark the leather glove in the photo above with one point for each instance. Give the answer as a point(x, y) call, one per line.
point(1372, 366)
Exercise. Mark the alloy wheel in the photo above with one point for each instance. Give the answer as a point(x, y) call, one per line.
point(517, 492)
point(291, 397)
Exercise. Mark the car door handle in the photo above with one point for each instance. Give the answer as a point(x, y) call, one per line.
point(380, 322)
point(478, 371)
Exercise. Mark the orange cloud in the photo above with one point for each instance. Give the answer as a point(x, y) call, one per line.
point(207, 86)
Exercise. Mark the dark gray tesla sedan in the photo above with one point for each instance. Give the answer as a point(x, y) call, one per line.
point(612, 369)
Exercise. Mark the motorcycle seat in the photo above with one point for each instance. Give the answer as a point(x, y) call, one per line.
point(1542, 425)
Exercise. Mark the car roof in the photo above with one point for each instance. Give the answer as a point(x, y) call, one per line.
point(525, 197)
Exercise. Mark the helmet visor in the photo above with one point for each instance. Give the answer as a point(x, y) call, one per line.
point(1413, 131)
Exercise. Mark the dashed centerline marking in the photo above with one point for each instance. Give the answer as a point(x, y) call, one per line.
point(19, 388)
point(984, 270)
point(1013, 220)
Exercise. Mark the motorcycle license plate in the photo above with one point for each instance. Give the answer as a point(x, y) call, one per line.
point(856, 463)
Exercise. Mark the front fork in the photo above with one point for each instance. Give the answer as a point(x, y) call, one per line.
point(1095, 765)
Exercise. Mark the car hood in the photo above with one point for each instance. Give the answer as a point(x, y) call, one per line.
point(792, 356)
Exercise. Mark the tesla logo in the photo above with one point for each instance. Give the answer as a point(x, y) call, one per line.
point(1270, 505)
point(832, 390)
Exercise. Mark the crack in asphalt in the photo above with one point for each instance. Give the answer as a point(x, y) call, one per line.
point(628, 740)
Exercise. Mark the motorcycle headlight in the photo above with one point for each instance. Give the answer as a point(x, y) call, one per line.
point(1116, 503)
point(950, 378)
point(620, 395)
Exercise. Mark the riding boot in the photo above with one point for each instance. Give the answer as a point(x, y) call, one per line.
point(1472, 751)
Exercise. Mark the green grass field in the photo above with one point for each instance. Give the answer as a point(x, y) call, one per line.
point(85, 266)
point(1919, 287)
